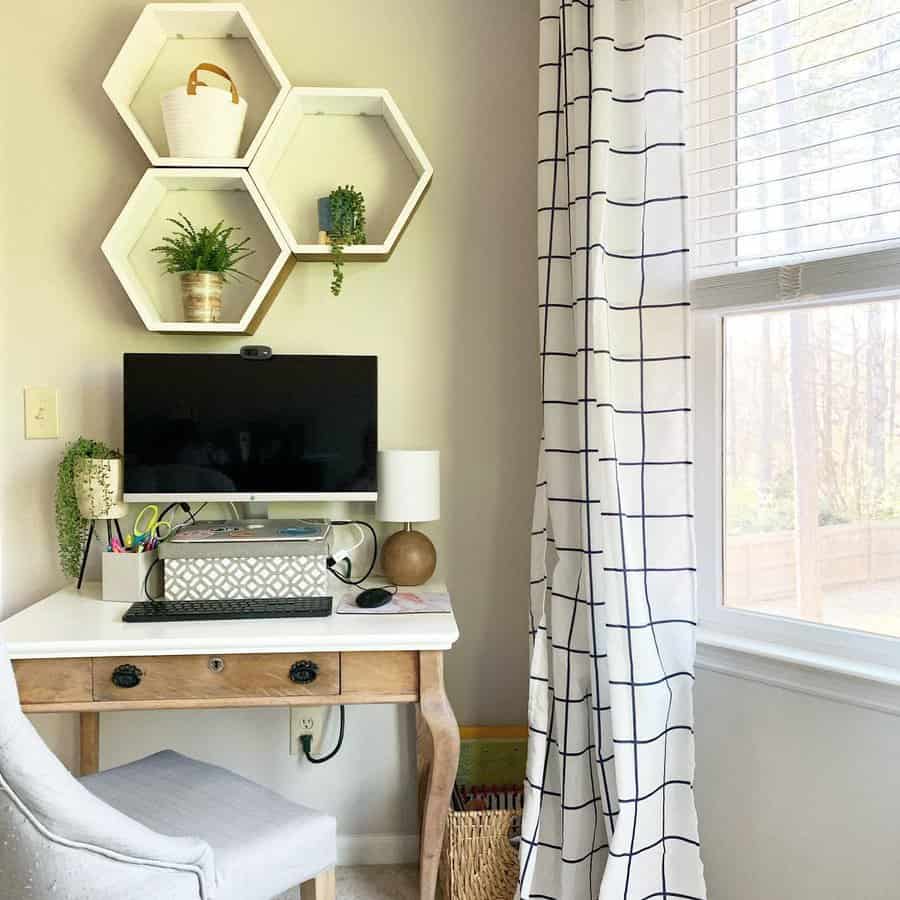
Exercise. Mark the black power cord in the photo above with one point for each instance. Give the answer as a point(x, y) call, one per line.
point(153, 565)
point(306, 744)
point(186, 508)
point(348, 579)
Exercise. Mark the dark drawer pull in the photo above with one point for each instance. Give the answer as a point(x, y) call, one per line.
point(127, 676)
point(304, 671)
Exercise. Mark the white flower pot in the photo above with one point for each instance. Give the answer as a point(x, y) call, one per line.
point(98, 488)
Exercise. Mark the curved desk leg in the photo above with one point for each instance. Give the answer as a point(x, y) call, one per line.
point(438, 752)
point(90, 743)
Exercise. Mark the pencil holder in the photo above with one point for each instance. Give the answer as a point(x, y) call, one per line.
point(124, 574)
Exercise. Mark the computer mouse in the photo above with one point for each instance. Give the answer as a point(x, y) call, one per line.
point(372, 598)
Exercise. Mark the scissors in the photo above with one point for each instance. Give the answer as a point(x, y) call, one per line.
point(150, 532)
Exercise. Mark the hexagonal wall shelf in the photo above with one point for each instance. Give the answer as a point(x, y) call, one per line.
point(167, 41)
point(325, 137)
point(205, 197)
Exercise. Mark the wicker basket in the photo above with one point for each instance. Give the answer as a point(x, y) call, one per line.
point(478, 862)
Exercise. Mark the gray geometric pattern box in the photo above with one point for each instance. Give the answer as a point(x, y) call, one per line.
point(257, 570)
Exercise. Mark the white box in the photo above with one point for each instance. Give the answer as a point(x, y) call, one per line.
point(124, 574)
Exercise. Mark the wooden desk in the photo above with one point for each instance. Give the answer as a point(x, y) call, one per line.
point(66, 647)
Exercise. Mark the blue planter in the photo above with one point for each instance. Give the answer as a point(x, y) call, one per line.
point(325, 223)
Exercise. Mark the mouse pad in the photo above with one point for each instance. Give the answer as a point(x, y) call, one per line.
point(404, 601)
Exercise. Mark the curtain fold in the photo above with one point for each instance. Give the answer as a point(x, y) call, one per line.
point(609, 809)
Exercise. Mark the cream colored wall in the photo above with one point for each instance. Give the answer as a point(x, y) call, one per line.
point(451, 317)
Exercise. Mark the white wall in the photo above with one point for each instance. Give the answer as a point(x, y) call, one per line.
point(798, 796)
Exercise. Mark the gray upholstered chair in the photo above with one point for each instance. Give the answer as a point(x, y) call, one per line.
point(163, 828)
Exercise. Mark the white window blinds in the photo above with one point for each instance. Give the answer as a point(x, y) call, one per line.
point(793, 130)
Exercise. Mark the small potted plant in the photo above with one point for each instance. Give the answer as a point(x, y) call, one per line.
point(342, 216)
point(204, 258)
point(88, 487)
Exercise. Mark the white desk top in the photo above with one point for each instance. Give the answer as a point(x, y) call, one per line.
point(73, 624)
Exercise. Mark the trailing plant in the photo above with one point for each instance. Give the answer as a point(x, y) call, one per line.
point(348, 226)
point(192, 249)
point(71, 528)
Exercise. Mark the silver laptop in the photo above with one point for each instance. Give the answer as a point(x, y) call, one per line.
point(242, 530)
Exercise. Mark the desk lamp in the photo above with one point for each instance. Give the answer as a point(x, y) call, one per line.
point(409, 490)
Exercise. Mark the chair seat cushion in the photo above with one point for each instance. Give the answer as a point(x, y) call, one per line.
point(263, 844)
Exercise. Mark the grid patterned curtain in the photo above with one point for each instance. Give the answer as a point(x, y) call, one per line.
point(609, 807)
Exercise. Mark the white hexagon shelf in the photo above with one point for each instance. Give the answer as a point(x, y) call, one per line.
point(166, 43)
point(204, 196)
point(325, 137)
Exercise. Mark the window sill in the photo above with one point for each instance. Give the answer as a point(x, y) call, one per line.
point(831, 677)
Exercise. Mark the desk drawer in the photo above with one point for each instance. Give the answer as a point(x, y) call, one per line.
point(216, 677)
point(53, 680)
point(375, 673)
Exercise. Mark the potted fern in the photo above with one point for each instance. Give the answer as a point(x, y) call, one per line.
point(342, 216)
point(205, 258)
point(88, 487)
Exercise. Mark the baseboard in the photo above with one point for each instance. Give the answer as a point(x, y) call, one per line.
point(377, 849)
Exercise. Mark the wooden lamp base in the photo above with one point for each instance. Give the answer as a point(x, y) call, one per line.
point(408, 558)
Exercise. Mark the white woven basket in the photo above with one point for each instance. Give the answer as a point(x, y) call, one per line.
point(204, 122)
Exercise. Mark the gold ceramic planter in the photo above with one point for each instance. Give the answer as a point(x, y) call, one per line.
point(201, 293)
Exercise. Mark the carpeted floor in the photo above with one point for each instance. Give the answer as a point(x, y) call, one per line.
point(373, 883)
point(378, 883)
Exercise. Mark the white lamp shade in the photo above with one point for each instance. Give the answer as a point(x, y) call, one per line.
point(409, 486)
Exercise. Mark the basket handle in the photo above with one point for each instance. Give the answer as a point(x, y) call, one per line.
point(216, 70)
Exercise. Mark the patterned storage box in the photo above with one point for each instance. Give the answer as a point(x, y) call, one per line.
point(252, 571)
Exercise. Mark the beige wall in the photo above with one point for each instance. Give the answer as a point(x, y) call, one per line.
point(451, 317)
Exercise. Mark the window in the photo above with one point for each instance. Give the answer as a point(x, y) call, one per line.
point(794, 175)
point(792, 122)
point(812, 473)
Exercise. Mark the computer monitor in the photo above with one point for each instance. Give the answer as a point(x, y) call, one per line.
point(207, 427)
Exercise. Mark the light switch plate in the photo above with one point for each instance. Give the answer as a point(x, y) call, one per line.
point(41, 413)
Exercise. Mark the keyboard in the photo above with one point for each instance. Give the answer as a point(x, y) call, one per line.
point(198, 610)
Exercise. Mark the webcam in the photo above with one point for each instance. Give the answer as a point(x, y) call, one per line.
point(256, 351)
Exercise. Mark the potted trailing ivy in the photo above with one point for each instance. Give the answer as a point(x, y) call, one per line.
point(342, 215)
point(88, 487)
point(205, 258)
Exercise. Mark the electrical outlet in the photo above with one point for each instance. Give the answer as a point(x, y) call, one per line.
point(308, 720)
point(41, 413)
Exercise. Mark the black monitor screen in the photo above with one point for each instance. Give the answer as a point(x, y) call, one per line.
point(200, 424)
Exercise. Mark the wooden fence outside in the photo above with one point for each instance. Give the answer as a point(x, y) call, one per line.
point(762, 567)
